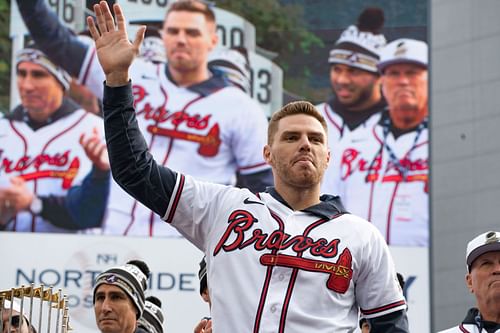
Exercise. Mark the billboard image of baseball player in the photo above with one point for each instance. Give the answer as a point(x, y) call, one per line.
point(54, 174)
point(385, 178)
point(195, 121)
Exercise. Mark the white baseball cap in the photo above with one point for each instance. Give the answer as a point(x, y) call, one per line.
point(487, 242)
point(403, 51)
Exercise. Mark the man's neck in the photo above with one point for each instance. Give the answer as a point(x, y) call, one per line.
point(367, 104)
point(298, 198)
point(490, 313)
point(189, 78)
point(403, 125)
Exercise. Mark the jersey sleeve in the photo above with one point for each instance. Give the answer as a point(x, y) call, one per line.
point(249, 136)
point(377, 289)
point(195, 208)
point(56, 40)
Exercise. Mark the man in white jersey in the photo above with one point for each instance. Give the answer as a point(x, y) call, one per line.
point(194, 121)
point(357, 101)
point(385, 179)
point(53, 165)
point(284, 260)
point(483, 280)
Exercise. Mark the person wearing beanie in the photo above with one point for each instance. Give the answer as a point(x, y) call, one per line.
point(152, 318)
point(482, 279)
point(56, 176)
point(118, 297)
point(357, 101)
point(197, 121)
point(205, 324)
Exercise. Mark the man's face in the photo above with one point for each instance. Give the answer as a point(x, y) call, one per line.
point(484, 281)
point(41, 94)
point(188, 39)
point(405, 88)
point(18, 323)
point(353, 87)
point(299, 151)
point(114, 310)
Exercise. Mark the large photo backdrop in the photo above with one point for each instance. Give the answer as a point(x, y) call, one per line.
point(292, 50)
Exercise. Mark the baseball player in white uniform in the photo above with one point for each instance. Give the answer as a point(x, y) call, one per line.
point(291, 261)
point(357, 101)
point(198, 124)
point(385, 179)
point(54, 175)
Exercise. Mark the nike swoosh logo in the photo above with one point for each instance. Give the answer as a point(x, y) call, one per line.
point(148, 77)
point(249, 202)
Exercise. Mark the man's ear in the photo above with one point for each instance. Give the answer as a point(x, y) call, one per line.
point(267, 154)
point(468, 282)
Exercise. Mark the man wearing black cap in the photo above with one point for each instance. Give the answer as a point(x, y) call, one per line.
point(119, 297)
point(357, 101)
point(55, 173)
point(483, 280)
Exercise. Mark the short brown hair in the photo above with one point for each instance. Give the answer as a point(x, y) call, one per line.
point(290, 109)
point(194, 6)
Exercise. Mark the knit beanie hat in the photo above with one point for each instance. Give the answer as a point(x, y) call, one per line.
point(131, 278)
point(34, 55)
point(360, 44)
point(152, 318)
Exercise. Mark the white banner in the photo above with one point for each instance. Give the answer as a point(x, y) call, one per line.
point(413, 264)
point(71, 262)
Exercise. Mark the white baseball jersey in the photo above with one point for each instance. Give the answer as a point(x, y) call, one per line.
point(390, 192)
point(280, 270)
point(207, 132)
point(338, 134)
point(50, 159)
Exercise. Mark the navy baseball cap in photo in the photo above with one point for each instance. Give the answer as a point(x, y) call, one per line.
point(404, 51)
point(486, 242)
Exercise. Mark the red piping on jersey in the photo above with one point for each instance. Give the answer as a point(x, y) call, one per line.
point(383, 308)
point(177, 197)
point(35, 183)
point(293, 279)
point(462, 328)
point(269, 272)
point(329, 117)
point(25, 144)
point(397, 179)
point(87, 70)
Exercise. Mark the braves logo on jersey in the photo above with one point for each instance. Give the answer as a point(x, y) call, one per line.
point(353, 161)
point(58, 165)
point(234, 238)
point(163, 118)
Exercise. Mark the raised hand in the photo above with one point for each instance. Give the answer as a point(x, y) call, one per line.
point(114, 50)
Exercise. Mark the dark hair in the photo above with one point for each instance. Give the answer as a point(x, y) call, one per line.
point(194, 6)
point(290, 109)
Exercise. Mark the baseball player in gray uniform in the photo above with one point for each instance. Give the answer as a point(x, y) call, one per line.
point(284, 260)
